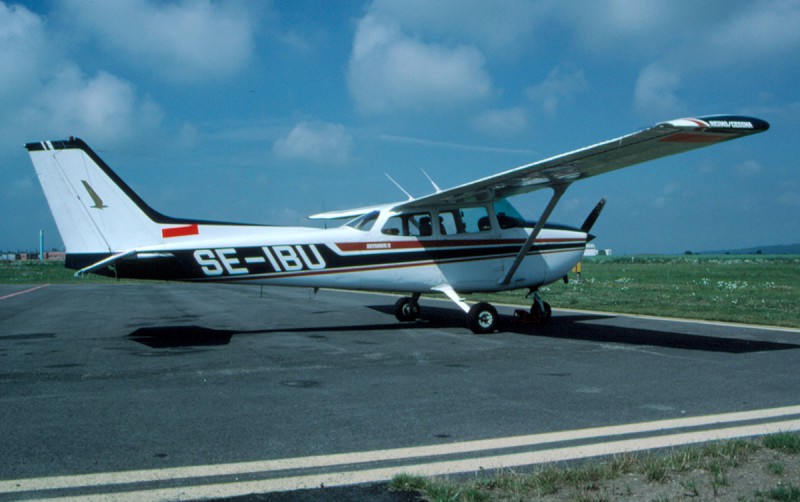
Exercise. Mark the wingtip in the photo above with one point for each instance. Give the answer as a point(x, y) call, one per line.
point(720, 123)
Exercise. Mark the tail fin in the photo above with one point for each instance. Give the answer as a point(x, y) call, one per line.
point(95, 211)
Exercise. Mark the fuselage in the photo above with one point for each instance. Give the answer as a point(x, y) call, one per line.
point(469, 249)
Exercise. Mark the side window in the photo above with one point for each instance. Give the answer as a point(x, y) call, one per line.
point(412, 225)
point(449, 222)
point(475, 219)
point(420, 225)
point(508, 216)
point(393, 226)
point(465, 220)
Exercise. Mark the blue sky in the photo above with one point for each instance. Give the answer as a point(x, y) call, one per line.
point(270, 111)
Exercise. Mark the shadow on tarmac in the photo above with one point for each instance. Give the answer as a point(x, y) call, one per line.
point(571, 327)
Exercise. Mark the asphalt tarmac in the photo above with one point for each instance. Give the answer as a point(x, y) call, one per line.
point(169, 391)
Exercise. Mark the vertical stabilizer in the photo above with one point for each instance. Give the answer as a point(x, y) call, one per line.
point(95, 211)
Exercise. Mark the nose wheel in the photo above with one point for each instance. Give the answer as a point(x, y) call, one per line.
point(540, 310)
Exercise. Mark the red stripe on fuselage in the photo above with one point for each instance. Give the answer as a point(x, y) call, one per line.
point(434, 244)
point(183, 231)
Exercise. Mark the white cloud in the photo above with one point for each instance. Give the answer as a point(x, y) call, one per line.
point(316, 142)
point(22, 47)
point(45, 95)
point(103, 108)
point(183, 40)
point(498, 26)
point(629, 28)
point(761, 30)
point(563, 82)
point(749, 168)
point(655, 92)
point(390, 70)
point(667, 195)
point(504, 122)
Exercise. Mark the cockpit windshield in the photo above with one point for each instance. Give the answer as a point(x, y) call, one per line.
point(364, 222)
point(508, 216)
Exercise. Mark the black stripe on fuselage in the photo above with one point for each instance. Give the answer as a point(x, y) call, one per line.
point(240, 263)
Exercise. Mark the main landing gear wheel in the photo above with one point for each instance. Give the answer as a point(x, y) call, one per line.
point(482, 318)
point(541, 311)
point(406, 309)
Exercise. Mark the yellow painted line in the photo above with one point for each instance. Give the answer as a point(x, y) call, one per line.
point(233, 489)
point(342, 459)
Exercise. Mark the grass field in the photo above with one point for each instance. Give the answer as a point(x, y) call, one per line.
point(48, 272)
point(755, 289)
point(760, 470)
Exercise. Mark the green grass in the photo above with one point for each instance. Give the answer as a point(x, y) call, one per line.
point(783, 441)
point(754, 289)
point(697, 468)
point(47, 272)
point(748, 289)
point(785, 493)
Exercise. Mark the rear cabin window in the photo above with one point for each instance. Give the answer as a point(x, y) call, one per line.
point(410, 225)
point(465, 220)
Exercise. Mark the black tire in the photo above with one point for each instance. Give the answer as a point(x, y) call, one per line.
point(541, 314)
point(406, 310)
point(482, 318)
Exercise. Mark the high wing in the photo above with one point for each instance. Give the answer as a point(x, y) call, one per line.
point(661, 140)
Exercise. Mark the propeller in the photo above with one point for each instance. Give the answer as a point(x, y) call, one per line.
point(589, 222)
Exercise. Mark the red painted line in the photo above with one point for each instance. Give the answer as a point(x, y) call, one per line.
point(699, 123)
point(23, 292)
point(183, 231)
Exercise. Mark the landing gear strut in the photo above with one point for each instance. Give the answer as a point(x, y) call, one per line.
point(406, 309)
point(540, 310)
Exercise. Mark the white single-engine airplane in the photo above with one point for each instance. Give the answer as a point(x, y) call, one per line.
point(464, 239)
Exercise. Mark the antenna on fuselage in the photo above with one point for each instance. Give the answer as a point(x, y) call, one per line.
point(410, 197)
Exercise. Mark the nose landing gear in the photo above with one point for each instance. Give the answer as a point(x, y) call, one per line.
point(540, 312)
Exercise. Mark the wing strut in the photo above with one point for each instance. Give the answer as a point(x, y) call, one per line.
point(558, 191)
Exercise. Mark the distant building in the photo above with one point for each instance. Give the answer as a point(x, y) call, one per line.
point(591, 250)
